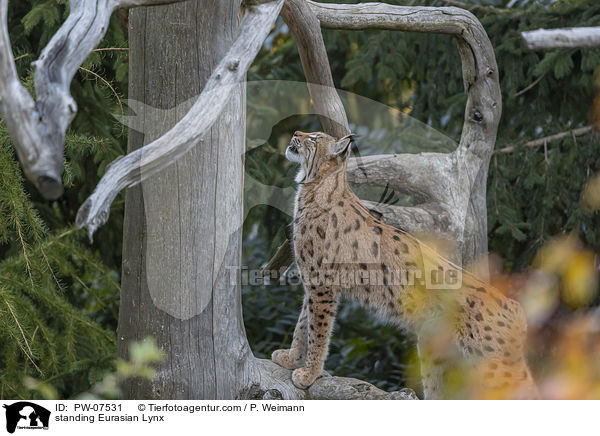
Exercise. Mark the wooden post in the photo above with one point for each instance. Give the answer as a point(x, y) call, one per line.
point(182, 225)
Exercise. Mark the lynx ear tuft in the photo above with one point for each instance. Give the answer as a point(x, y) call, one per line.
point(343, 145)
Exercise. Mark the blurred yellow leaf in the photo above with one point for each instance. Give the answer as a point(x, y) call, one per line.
point(539, 297)
point(580, 281)
point(591, 192)
point(554, 256)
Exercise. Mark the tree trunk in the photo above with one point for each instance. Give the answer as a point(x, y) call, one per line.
point(182, 231)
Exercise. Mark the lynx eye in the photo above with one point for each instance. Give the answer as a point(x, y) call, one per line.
point(313, 139)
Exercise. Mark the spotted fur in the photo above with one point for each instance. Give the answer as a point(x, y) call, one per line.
point(342, 250)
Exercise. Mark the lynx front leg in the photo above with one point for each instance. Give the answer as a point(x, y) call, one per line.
point(321, 313)
point(436, 353)
point(294, 357)
point(432, 374)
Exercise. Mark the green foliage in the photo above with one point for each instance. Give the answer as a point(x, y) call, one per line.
point(143, 356)
point(58, 295)
point(54, 295)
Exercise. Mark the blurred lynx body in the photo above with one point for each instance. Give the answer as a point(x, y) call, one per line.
point(341, 250)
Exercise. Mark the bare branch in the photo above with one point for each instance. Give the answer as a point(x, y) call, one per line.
point(572, 37)
point(419, 175)
point(54, 70)
point(18, 108)
point(539, 142)
point(281, 260)
point(466, 179)
point(306, 29)
point(454, 183)
point(38, 128)
point(150, 159)
point(528, 87)
point(480, 71)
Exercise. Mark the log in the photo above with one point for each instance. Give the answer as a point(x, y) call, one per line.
point(273, 382)
point(571, 37)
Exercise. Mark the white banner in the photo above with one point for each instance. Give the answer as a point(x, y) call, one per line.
point(299, 417)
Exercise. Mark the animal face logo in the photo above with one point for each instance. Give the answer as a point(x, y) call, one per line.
point(26, 415)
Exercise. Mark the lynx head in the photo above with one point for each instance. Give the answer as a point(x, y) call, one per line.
point(318, 153)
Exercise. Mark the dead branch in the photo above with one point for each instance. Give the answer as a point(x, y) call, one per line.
point(539, 142)
point(306, 29)
point(37, 128)
point(452, 185)
point(572, 37)
point(422, 176)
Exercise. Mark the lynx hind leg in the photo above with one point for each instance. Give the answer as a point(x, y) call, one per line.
point(294, 357)
point(496, 340)
point(502, 378)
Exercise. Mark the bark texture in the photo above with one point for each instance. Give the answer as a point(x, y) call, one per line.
point(182, 226)
point(225, 78)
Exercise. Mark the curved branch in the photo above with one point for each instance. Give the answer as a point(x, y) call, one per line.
point(18, 110)
point(467, 180)
point(136, 166)
point(137, 3)
point(541, 141)
point(306, 29)
point(420, 175)
point(480, 71)
point(454, 182)
point(38, 128)
point(54, 70)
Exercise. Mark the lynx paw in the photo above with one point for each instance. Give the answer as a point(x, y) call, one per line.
point(282, 358)
point(304, 377)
